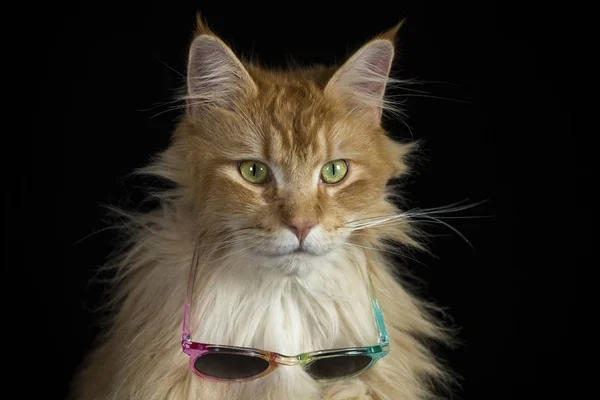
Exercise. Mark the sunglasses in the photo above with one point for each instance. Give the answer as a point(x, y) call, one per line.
point(230, 363)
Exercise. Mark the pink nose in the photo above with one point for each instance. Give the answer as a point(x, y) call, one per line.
point(301, 227)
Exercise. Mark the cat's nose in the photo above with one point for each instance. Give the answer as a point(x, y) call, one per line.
point(301, 227)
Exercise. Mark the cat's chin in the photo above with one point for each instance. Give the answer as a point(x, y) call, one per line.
point(291, 264)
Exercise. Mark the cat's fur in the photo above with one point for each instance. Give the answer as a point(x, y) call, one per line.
point(245, 294)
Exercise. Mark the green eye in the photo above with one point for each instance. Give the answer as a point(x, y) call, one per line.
point(254, 172)
point(334, 171)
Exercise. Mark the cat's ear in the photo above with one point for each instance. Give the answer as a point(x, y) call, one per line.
point(215, 76)
point(361, 81)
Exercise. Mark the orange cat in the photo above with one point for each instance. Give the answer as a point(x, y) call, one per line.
point(280, 183)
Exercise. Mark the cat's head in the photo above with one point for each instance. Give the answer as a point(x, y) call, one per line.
point(280, 162)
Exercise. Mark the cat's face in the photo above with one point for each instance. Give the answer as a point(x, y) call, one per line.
point(282, 162)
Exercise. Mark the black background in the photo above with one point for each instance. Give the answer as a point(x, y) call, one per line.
point(92, 70)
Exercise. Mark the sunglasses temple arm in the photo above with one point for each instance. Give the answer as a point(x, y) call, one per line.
point(381, 329)
point(186, 335)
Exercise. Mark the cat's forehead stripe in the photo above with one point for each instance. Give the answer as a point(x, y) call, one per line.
point(294, 127)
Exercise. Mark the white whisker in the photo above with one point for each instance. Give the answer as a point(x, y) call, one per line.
point(434, 215)
point(95, 233)
point(447, 225)
point(232, 254)
point(378, 249)
point(431, 97)
point(446, 209)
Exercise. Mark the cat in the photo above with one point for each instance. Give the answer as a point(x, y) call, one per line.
point(284, 253)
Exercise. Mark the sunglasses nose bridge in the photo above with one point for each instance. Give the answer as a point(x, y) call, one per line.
point(287, 360)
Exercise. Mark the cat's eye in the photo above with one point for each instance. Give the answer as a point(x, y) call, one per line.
point(254, 171)
point(334, 171)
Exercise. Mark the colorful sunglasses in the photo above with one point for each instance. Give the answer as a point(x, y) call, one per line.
point(230, 363)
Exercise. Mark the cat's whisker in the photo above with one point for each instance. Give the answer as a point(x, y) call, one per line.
point(411, 214)
point(372, 218)
point(454, 207)
point(375, 221)
point(390, 222)
point(168, 66)
point(463, 217)
point(378, 222)
point(222, 244)
point(379, 225)
point(108, 228)
point(176, 108)
point(429, 97)
point(435, 215)
point(447, 225)
point(447, 205)
point(379, 249)
point(227, 255)
point(229, 243)
point(157, 105)
point(403, 122)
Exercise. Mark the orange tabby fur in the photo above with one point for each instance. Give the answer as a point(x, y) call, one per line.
point(294, 120)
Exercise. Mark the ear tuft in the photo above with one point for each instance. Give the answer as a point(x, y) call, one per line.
point(202, 27)
point(392, 33)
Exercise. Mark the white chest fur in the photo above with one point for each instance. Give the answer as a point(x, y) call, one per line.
point(244, 305)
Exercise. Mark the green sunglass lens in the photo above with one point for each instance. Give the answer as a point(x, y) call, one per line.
point(230, 366)
point(337, 367)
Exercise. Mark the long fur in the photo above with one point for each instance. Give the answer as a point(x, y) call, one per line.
point(238, 302)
